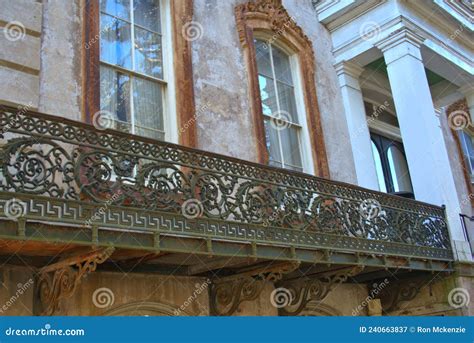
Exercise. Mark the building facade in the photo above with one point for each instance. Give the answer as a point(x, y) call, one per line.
point(236, 157)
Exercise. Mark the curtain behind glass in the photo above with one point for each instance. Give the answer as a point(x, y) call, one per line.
point(148, 108)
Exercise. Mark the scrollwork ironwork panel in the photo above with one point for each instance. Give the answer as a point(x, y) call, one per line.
point(62, 159)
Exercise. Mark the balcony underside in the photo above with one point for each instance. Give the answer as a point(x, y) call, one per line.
point(199, 240)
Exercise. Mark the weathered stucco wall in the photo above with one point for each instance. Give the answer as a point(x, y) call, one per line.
point(40, 59)
point(226, 126)
point(20, 42)
point(16, 291)
point(61, 51)
point(113, 293)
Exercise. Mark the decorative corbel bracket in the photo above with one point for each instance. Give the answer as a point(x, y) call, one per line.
point(392, 293)
point(60, 280)
point(299, 292)
point(226, 294)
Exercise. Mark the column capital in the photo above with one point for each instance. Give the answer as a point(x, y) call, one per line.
point(349, 68)
point(348, 74)
point(400, 43)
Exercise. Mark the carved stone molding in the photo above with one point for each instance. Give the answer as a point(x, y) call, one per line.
point(271, 17)
point(303, 291)
point(228, 293)
point(60, 280)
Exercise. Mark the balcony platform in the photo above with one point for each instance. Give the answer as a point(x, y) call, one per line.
point(68, 185)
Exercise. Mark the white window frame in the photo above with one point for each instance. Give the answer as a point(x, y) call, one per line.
point(170, 122)
point(304, 140)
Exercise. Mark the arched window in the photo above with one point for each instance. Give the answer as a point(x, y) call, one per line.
point(283, 131)
point(283, 101)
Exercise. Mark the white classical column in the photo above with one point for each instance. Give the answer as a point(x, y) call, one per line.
point(420, 127)
point(348, 74)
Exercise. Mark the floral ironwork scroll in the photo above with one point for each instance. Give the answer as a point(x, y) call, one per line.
point(62, 159)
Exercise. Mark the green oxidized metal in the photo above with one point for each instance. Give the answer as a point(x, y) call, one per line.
point(71, 172)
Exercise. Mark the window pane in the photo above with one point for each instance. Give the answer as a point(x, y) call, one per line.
point(115, 41)
point(291, 148)
point(281, 61)
point(378, 168)
point(263, 58)
point(118, 8)
point(468, 150)
point(286, 95)
point(148, 108)
point(147, 14)
point(399, 170)
point(148, 53)
point(271, 139)
point(115, 96)
point(267, 93)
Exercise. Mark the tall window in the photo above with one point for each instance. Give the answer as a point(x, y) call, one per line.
point(283, 129)
point(132, 84)
point(467, 146)
point(391, 166)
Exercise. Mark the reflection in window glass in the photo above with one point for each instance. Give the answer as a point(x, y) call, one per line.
point(147, 14)
point(115, 96)
point(399, 170)
point(267, 95)
point(148, 106)
point(116, 8)
point(115, 41)
point(282, 129)
point(468, 150)
point(271, 140)
point(391, 165)
point(132, 65)
point(148, 53)
point(378, 168)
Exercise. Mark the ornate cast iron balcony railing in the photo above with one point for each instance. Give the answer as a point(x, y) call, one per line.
point(66, 172)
